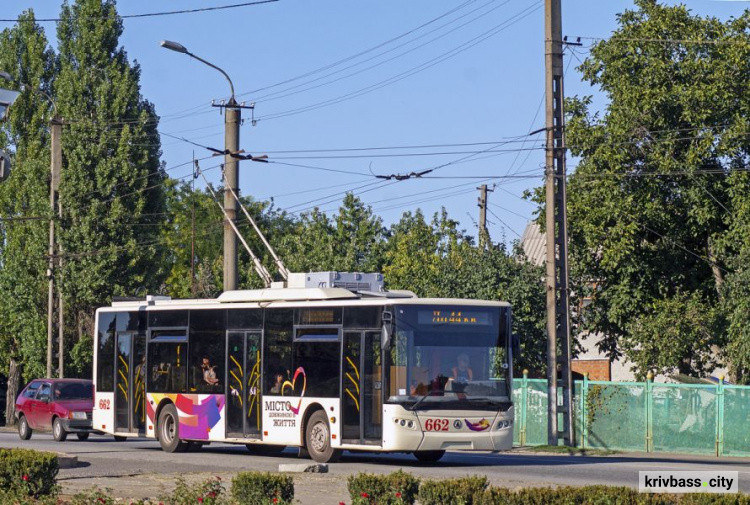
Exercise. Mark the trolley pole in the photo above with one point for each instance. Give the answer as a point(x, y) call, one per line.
point(558, 303)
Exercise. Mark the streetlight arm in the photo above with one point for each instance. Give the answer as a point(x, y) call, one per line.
point(231, 86)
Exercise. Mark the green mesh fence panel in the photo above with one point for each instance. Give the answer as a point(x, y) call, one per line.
point(517, 409)
point(684, 418)
point(536, 412)
point(615, 416)
point(736, 421)
point(577, 411)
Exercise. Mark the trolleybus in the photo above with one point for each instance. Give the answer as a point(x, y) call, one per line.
point(325, 367)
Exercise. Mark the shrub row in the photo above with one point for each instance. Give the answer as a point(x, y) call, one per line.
point(27, 473)
point(393, 489)
point(262, 488)
point(402, 488)
point(600, 495)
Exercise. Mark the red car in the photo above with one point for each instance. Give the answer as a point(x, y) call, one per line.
point(61, 405)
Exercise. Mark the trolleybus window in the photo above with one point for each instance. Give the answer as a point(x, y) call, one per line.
point(207, 349)
point(278, 349)
point(167, 355)
point(454, 356)
point(105, 354)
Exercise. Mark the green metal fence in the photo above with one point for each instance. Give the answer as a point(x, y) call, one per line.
point(642, 416)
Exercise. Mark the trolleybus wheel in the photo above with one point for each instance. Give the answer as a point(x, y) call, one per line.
point(194, 446)
point(169, 430)
point(429, 456)
point(120, 438)
point(318, 439)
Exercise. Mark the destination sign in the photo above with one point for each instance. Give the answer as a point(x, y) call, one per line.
point(319, 316)
point(454, 317)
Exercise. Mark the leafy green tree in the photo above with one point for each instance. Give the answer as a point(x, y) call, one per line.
point(25, 54)
point(111, 189)
point(649, 204)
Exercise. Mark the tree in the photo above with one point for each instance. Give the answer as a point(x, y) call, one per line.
point(112, 185)
point(649, 205)
point(25, 54)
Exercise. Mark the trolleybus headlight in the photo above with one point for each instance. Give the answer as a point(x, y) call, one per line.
point(406, 423)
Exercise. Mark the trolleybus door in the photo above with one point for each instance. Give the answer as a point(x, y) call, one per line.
point(361, 387)
point(130, 375)
point(243, 384)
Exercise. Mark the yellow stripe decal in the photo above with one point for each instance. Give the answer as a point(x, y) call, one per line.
point(356, 402)
point(356, 370)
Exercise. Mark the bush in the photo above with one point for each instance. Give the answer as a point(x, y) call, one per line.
point(209, 492)
point(93, 496)
point(24, 472)
point(452, 491)
point(393, 489)
point(601, 495)
point(262, 488)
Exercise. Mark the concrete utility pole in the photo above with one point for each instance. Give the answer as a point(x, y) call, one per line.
point(484, 233)
point(232, 118)
point(558, 303)
point(54, 186)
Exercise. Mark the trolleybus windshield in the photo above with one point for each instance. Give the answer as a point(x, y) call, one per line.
point(449, 357)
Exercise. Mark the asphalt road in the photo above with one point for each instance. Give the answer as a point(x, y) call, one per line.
point(131, 466)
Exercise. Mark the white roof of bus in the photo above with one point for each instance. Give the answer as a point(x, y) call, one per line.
point(295, 297)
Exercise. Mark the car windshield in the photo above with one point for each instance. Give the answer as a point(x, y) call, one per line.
point(449, 357)
point(74, 391)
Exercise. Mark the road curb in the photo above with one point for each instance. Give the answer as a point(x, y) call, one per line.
point(66, 460)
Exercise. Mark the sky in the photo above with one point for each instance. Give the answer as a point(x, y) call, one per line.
point(464, 78)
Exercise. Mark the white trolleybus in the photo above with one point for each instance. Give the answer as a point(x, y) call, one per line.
point(326, 362)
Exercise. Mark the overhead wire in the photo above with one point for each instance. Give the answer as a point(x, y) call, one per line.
point(294, 90)
point(153, 14)
point(398, 77)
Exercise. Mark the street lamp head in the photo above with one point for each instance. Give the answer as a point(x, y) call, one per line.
point(174, 46)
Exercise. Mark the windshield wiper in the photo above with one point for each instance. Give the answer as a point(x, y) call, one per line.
point(414, 406)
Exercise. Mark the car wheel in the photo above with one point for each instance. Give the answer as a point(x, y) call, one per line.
point(119, 438)
point(169, 430)
point(429, 456)
point(24, 430)
point(82, 436)
point(318, 439)
point(194, 446)
point(58, 431)
point(265, 450)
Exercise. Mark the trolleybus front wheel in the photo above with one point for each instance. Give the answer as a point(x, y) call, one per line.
point(169, 430)
point(318, 439)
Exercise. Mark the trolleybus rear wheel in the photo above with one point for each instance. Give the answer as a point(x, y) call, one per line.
point(169, 430)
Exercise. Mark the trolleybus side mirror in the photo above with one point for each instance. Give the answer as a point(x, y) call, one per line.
point(516, 343)
point(387, 333)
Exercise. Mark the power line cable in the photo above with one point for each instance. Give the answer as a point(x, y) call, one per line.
point(403, 75)
point(152, 14)
point(294, 90)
